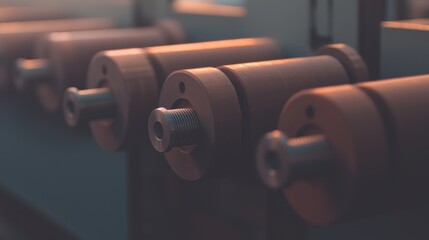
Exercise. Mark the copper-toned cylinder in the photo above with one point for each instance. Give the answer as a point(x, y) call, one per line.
point(264, 87)
point(226, 124)
point(17, 39)
point(376, 140)
point(138, 74)
point(68, 55)
point(350, 121)
point(18, 14)
point(403, 105)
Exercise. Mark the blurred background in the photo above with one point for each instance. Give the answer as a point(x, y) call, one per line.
point(57, 183)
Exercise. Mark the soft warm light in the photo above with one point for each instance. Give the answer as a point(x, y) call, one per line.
point(205, 8)
point(412, 25)
point(124, 52)
point(207, 45)
point(33, 64)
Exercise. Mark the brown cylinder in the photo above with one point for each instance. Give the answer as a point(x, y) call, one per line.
point(17, 39)
point(264, 87)
point(167, 60)
point(377, 133)
point(69, 54)
point(261, 88)
point(403, 104)
point(19, 14)
point(138, 74)
point(350, 121)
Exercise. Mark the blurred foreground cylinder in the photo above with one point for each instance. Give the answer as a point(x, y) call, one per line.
point(18, 14)
point(124, 84)
point(350, 151)
point(63, 58)
point(212, 118)
point(17, 39)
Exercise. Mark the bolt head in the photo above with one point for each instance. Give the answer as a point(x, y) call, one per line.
point(273, 160)
point(71, 107)
point(160, 129)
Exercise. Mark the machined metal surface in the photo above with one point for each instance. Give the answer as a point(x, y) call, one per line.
point(17, 39)
point(352, 124)
point(212, 97)
point(18, 14)
point(69, 55)
point(376, 133)
point(240, 115)
point(136, 75)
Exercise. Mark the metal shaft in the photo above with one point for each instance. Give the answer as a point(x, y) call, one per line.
point(173, 128)
point(282, 161)
point(30, 72)
point(87, 105)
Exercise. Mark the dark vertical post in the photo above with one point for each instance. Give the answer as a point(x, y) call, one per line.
point(138, 6)
point(371, 15)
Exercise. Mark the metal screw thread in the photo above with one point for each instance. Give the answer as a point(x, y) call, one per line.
point(306, 140)
point(185, 126)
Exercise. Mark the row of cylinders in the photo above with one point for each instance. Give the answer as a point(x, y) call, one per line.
point(210, 108)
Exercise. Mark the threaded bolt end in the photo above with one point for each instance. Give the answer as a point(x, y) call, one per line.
point(185, 126)
point(173, 128)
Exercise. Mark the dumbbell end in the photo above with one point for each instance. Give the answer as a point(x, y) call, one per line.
point(87, 105)
point(282, 161)
point(271, 153)
point(30, 71)
point(71, 109)
point(353, 63)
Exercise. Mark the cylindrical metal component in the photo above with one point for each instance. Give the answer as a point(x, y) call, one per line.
point(173, 128)
point(282, 161)
point(278, 80)
point(377, 133)
point(18, 14)
point(261, 88)
point(88, 104)
point(31, 72)
point(210, 93)
point(17, 39)
point(69, 55)
point(354, 128)
point(136, 75)
point(168, 59)
point(403, 104)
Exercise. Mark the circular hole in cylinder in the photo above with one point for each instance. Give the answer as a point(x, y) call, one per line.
point(272, 161)
point(158, 130)
point(182, 87)
point(309, 112)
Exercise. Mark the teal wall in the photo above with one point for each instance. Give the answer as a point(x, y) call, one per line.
point(61, 172)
